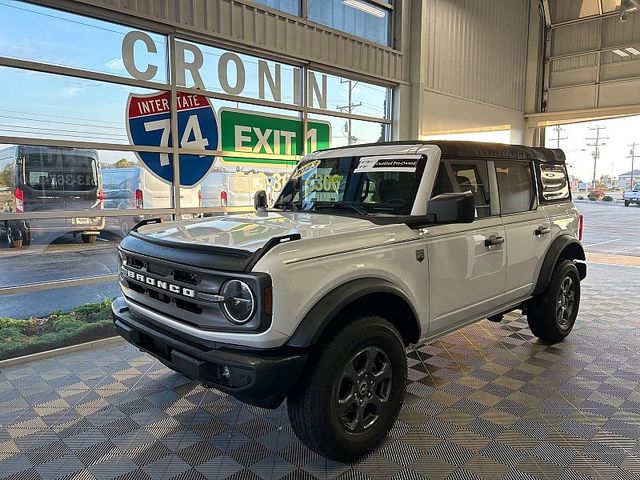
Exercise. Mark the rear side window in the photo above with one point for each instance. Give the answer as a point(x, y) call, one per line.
point(515, 185)
point(554, 181)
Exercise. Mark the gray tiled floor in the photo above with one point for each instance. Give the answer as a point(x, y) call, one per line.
point(489, 401)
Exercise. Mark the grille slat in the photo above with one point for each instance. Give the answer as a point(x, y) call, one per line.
point(160, 285)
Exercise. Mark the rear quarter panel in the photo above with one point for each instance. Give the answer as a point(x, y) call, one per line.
point(563, 218)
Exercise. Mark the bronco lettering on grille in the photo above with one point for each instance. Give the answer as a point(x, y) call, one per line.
point(160, 284)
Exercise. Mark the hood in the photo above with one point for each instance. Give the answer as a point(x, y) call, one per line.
point(252, 231)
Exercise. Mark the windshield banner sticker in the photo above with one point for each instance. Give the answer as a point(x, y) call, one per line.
point(387, 164)
point(302, 170)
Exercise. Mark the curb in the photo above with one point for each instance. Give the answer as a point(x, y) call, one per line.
point(9, 362)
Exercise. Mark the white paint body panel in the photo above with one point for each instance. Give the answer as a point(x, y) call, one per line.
point(461, 279)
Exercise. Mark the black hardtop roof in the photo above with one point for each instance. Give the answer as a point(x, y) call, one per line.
point(460, 149)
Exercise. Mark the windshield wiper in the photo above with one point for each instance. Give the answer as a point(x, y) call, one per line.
point(360, 210)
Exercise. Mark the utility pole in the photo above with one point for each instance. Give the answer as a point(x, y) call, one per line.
point(349, 107)
point(632, 156)
point(558, 129)
point(597, 143)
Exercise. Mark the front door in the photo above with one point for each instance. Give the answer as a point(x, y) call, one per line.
point(467, 262)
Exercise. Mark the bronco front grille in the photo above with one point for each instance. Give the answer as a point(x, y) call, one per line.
point(171, 289)
point(184, 293)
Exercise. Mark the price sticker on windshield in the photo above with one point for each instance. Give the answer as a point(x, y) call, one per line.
point(388, 163)
point(323, 183)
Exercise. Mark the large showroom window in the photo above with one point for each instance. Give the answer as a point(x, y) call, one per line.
point(98, 134)
point(369, 19)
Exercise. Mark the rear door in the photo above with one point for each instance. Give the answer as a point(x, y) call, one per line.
point(527, 227)
point(54, 178)
point(466, 261)
point(59, 179)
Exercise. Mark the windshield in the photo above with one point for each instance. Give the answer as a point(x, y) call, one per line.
point(365, 185)
point(60, 172)
point(118, 178)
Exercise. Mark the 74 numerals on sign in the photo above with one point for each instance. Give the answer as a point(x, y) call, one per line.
point(192, 129)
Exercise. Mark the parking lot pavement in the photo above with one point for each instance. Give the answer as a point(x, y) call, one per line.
point(611, 229)
point(49, 260)
point(63, 259)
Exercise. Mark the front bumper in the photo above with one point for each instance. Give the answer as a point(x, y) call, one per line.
point(261, 378)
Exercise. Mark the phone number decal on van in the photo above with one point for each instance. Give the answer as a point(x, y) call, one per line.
point(149, 124)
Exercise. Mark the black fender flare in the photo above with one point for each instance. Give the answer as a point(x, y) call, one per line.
point(573, 250)
point(327, 309)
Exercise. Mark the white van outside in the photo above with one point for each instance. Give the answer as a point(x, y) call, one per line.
point(137, 188)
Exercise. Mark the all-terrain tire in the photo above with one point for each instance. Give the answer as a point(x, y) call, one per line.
point(316, 413)
point(89, 238)
point(552, 314)
point(14, 238)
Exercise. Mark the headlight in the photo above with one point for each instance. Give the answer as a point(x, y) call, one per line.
point(239, 303)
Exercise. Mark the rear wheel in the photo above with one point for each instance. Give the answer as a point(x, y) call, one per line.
point(86, 238)
point(352, 391)
point(553, 313)
point(14, 237)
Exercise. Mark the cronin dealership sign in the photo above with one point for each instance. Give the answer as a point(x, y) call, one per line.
point(149, 124)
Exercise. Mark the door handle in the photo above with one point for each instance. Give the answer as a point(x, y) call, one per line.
point(492, 241)
point(542, 230)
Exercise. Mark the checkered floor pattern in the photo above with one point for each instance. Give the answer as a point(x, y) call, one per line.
point(489, 401)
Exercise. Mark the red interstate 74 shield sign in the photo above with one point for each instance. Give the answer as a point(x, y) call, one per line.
point(149, 124)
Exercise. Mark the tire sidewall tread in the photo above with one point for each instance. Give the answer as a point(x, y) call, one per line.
point(313, 420)
point(541, 313)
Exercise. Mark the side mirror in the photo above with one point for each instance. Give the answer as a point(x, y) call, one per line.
point(260, 200)
point(452, 208)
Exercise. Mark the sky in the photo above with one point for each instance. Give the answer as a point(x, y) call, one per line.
point(620, 133)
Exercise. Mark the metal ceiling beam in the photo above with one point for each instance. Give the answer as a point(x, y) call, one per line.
point(590, 18)
point(547, 13)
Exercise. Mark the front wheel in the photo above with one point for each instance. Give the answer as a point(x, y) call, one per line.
point(552, 314)
point(351, 393)
point(626, 203)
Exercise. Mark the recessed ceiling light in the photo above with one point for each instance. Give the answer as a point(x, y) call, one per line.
point(365, 7)
point(622, 53)
point(633, 50)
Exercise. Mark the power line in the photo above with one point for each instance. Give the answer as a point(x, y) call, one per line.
point(558, 129)
point(632, 156)
point(597, 143)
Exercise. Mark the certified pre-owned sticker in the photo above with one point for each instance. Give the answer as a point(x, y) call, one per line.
point(389, 163)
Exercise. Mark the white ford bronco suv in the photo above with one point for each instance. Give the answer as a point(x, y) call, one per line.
point(368, 250)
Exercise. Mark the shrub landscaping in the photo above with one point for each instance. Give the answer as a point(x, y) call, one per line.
point(59, 329)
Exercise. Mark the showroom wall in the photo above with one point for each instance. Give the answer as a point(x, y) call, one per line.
point(473, 66)
point(90, 110)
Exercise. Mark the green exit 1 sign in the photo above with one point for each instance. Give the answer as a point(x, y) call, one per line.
point(263, 135)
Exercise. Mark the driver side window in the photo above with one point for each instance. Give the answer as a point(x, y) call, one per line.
point(459, 176)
